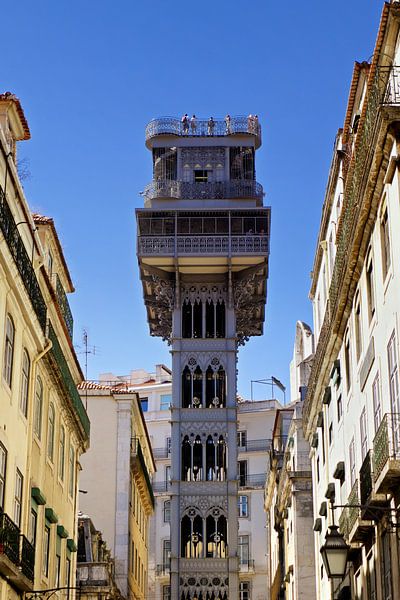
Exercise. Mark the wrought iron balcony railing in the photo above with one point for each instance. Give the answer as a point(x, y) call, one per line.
point(387, 443)
point(203, 244)
point(256, 446)
point(366, 478)
point(252, 481)
point(22, 260)
point(27, 562)
point(64, 306)
point(161, 452)
point(174, 126)
point(68, 381)
point(9, 538)
point(344, 522)
point(353, 500)
point(199, 190)
point(137, 452)
point(163, 570)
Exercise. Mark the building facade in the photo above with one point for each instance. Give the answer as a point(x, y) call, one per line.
point(120, 463)
point(203, 245)
point(351, 412)
point(44, 426)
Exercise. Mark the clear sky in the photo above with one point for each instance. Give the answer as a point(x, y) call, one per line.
point(91, 74)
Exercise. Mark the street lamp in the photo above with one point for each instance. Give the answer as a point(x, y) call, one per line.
point(334, 553)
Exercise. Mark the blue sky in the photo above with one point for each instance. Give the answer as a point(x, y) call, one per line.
point(90, 75)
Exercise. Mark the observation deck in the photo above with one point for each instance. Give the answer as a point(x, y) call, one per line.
point(209, 190)
point(238, 126)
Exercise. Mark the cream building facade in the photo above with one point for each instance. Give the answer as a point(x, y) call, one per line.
point(351, 412)
point(117, 473)
point(44, 427)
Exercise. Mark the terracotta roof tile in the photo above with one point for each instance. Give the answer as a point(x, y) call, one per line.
point(13, 98)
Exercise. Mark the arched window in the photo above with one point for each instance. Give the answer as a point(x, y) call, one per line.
point(186, 458)
point(216, 532)
point(9, 350)
point(215, 388)
point(186, 320)
point(192, 319)
point(37, 426)
point(192, 536)
point(50, 432)
point(215, 319)
point(26, 366)
point(216, 459)
point(192, 388)
point(61, 454)
point(192, 459)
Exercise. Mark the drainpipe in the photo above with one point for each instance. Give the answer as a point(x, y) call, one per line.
point(30, 415)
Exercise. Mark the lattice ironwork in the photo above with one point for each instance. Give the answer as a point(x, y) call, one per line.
point(64, 306)
point(203, 244)
point(386, 442)
point(69, 384)
point(354, 511)
point(9, 538)
point(197, 190)
point(366, 478)
point(22, 260)
point(27, 558)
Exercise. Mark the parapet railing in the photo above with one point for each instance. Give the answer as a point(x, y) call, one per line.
point(198, 190)
point(203, 244)
point(203, 127)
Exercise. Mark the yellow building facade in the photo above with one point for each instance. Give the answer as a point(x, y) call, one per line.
point(44, 427)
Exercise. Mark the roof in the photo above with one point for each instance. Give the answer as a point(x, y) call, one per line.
point(10, 97)
point(43, 220)
point(118, 388)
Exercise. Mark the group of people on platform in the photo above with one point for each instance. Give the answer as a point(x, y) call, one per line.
point(190, 123)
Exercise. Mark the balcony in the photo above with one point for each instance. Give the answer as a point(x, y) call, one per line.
point(161, 487)
point(64, 305)
point(215, 245)
point(172, 126)
point(204, 190)
point(386, 458)
point(368, 497)
point(22, 260)
point(92, 574)
point(163, 570)
point(17, 555)
point(252, 481)
point(262, 445)
point(68, 382)
point(137, 460)
point(246, 566)
point(358, 529)
point(162, 452)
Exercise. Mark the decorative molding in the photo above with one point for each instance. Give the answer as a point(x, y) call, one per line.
point(204, 505)
point(201, 157)
point(205, 429)
point(203, 293)
point(203, 360)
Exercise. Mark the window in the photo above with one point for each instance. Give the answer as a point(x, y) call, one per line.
point(37, 426)
point(166, 554)
point(376, 400)
point(168, 474)
point(357, 327)
point(9, 350)
point(243, 504)
point(242, 439)
point(243, 549)
point(339, 407)
point(46, 551)
point(352, 461)
point(3, 469)
point(347, 361)
point(330, 433)
point(166, 592)
point(363, 434)
point(61, 454)
point(167, 511)
point(19, 480)
point(165, 401)
point(370, 289)
point(385, 243)
point(50, 432)
point(50, 263)
point(371, 578)
point(242, 472)
point(386, 568)
point(71, 471)
point(144, 402)
point(32, 526)
point(317, 468)
point(68, 572)
point(244, 590)
point(200, 176)
point(168, 443)
point(26, 365)
point(393, 374)
point(57, 578)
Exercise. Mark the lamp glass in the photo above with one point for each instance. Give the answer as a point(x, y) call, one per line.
point(334, 553)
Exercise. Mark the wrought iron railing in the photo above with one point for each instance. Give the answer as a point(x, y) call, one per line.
point(366, 478)
point(174, 126)
point(9, 538)
point(67, 380)
point(198, 190)
point(163, 570)
point(64, 306)
point(344, 522)
point(386, 442)
point(203, 244)
point(246, 565)
point(256, 445)
point(252, 481)
point(22, 260)
point(137, 452)
point(383, 90)
point(27, 562)
point(353, 500)
point(161, 452)
point(160, 487)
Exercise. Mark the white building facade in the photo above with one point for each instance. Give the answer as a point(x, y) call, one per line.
point(203, 246)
